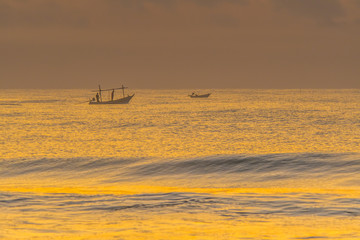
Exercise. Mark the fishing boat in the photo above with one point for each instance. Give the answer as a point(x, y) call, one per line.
point(195, 95)
point(98, 99)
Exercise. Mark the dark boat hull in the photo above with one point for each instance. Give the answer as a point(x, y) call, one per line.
point(200, 96)
point(124, 100)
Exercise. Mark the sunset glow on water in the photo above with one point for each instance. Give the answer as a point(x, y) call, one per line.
point(242, 164)
point(270, 151)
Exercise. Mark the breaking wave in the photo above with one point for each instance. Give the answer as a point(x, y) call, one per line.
point(252, 167)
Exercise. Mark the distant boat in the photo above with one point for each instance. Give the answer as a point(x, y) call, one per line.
point(194, 95)
point(98, 98)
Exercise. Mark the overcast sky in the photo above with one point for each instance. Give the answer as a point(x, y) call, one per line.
point(180, 43)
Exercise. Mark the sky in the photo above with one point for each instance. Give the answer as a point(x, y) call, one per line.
point(196, 44)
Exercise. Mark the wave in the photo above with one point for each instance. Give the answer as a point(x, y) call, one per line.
point(41, 101)
point(60, 166)
point(204, 170)
point(9, 103)
point(20, 102)
point(264, 167)
point(291, 163)
point(234, 206)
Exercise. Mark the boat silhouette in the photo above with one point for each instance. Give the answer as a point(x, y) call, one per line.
point(99, 100)
point(195, 95)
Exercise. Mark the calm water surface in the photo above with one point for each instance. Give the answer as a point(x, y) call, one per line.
point(242, 164)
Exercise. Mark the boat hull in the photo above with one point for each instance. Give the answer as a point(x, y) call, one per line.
point(200, 96)
point(124, 100)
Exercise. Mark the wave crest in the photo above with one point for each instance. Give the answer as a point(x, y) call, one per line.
point(247, 167)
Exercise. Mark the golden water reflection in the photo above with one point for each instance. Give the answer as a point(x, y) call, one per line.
point(44, 198)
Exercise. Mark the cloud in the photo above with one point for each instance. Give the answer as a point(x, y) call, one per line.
point(169, 3)
point(211, 3)
point(80, 13)
point(38, 13)
point(325, 11)
point(138, 4)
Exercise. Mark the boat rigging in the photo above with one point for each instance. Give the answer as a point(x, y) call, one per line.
point(98, 99)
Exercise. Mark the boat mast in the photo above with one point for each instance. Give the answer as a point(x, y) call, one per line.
point(123, 88)
point(100, 93)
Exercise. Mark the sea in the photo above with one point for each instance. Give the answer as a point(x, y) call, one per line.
point(241, 164)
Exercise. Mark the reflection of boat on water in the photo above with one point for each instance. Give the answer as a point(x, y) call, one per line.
point(194, 95)
point(98, 98)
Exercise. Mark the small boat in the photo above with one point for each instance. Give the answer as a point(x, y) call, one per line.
point(98, 98)
point(194, 95)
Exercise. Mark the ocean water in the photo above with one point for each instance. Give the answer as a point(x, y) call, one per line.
point(242, 164)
